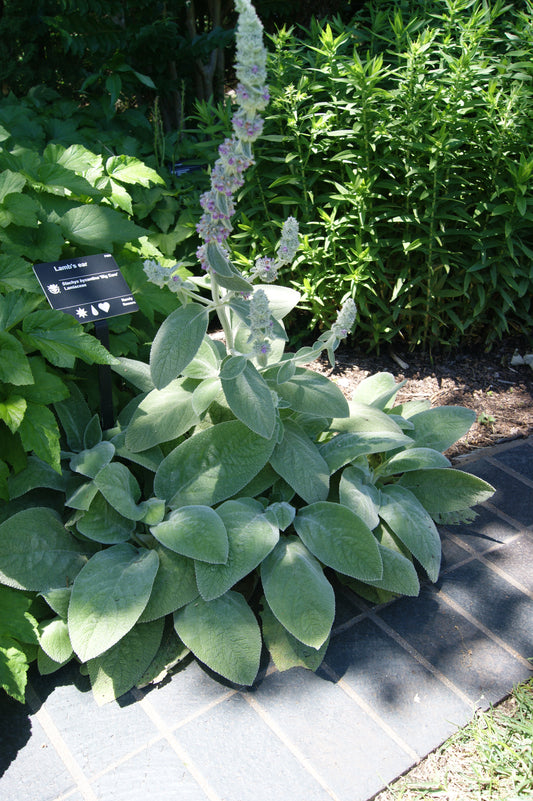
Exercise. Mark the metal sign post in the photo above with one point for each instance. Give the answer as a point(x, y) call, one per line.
point(91, 289)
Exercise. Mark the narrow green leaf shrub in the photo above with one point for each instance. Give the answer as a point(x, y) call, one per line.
point(238, 485)
point(402, 143)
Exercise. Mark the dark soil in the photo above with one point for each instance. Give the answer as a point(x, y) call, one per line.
point(501, 394)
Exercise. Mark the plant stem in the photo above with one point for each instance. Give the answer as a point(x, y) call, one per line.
point(222, 312)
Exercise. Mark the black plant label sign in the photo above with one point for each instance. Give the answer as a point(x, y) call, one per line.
point(90, 288)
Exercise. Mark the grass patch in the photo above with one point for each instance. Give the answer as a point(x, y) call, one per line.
point(491, 759)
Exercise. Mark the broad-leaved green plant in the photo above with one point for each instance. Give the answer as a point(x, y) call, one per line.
point(238, 485)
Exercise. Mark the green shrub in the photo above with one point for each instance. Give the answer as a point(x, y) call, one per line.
point(402, 143)
point(58, 202)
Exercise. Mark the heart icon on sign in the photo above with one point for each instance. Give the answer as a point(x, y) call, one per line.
point(104, 306)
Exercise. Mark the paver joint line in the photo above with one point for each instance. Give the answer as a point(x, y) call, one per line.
point(295, 751)
point(59, 744)
point(488, 633)
point(176, 746)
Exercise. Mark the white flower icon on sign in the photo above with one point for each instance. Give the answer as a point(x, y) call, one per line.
point(81, 312)
point(53, 289)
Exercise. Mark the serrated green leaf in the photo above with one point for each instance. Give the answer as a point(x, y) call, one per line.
point(10, 183)
point(130, 170)
point(59, 180)
point(42, 243)
point(163, 415)
point(39, 433)
point(119, 669)
point(211, 465)
point(297, 459)
point(21, 210)
point(75, 158)
point(47, 387)
point(223, 634)
point(13, 670)
point(16, 274)
point(298, 593)
point(61, 339)
point(340, 539)
point(12, 411)
point(443, 490)
point(286, 651)
point(194, 531)
point(413, 526)
point(36, 552)
point(16, 622)
point(15, 307)
point(177, 342)
point(251, 537)
point(108, 597)
point(174, 585)
point(96, 226)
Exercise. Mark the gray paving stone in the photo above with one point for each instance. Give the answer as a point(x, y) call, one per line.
point(407, 696)
point(244, 760)
point(500, 606)
point(486, 532)
point(519, 458)
point(156, 774)
point(186, 694)
point(513, 497)
point(517, 559)
point(457, 648)
point(96, 736)
point(350, 751)
point(452, 552)
point(35, 772)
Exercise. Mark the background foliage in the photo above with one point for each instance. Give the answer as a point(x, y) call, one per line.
point(402, 143)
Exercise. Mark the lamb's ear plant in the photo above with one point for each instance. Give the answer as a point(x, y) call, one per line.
point(238, 484)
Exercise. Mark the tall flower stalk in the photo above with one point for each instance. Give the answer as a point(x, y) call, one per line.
point(218, 205)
